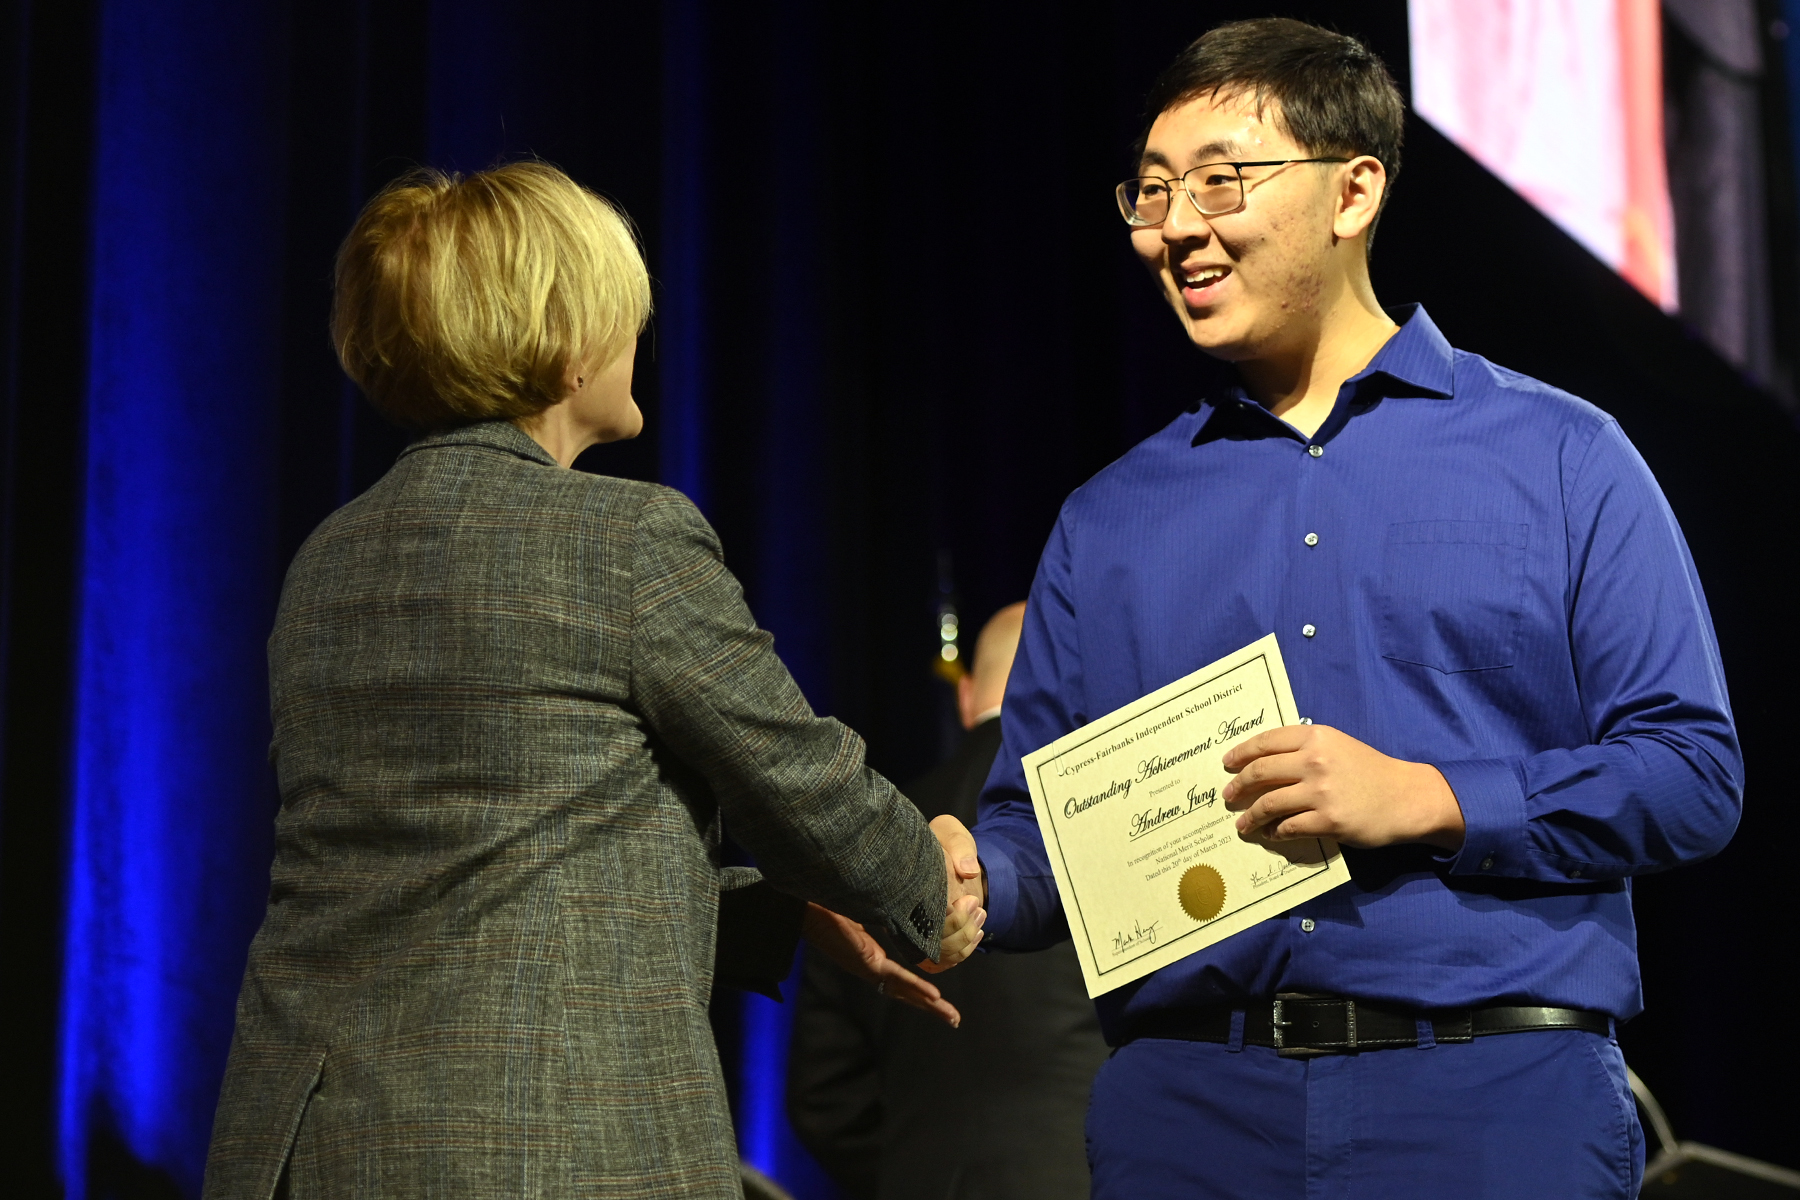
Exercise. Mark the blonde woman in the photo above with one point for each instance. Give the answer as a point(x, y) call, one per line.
point(513, 704)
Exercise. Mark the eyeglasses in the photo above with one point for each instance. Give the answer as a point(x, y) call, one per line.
point(1214, 188)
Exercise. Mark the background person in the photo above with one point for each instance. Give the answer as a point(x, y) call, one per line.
point(1491, 619)
point(1026, 1050)
point(513, 706)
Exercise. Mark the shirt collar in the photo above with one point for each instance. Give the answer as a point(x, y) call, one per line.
point(494, 435)
point(1417, 355)
point(1416, 361)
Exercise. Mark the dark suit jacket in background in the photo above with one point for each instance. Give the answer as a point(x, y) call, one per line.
point(897, 1106)
point(512, 705)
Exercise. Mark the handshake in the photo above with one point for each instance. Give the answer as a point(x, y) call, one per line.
point(851, 947)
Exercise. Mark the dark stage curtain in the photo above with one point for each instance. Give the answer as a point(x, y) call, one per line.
point(897, 323)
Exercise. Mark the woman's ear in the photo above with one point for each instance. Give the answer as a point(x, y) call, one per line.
point(573, 379)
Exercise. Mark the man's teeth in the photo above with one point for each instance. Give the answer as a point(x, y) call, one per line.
point(1202, 278)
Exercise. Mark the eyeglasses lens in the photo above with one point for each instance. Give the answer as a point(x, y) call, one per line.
point(1215, 189)
point(1144, 201)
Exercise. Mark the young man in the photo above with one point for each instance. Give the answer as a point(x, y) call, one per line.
point(1513, 697)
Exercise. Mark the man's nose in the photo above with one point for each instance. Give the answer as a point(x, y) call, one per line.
point(1184, 222)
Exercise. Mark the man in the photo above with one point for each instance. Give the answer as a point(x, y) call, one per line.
point(1027, 1049)
point(1513, 697)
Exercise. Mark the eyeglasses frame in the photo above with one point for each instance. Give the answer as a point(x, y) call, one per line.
point(1237, 168)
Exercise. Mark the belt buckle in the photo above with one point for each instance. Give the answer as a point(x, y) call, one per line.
point(1278, 1023)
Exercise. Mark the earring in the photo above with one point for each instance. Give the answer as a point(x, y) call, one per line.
point(580, 383)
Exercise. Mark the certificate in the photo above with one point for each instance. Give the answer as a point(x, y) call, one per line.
point(1147, 857)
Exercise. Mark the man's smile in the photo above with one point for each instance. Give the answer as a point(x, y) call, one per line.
point(1200, 284)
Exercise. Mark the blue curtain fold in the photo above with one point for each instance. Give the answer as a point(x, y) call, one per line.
point(170, 807)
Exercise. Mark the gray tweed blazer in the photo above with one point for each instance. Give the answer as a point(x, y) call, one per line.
point(512, 705)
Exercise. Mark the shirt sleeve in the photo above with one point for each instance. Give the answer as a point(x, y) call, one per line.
point(1042, 704)
point(1660, 782)
point(793, 787)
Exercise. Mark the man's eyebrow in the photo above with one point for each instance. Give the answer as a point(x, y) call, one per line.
point(1221, 150)
point(1218, 150)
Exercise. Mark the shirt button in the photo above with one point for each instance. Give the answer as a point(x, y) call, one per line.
point(1312, 539)
point(1307, 631)
point(1487, 864)
point(1315, 451)
point(1306, 925)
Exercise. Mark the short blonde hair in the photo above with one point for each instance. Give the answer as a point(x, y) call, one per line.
point(468, 299)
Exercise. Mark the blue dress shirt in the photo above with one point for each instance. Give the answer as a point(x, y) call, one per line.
point(1464, 567)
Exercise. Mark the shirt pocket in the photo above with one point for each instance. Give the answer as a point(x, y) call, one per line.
point(1453, 593)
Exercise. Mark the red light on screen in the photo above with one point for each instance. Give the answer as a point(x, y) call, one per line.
point(1562, 99)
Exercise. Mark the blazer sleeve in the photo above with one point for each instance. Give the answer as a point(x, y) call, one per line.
point(793, 787)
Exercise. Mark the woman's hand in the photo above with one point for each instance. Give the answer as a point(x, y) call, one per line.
point(849, 945)
point(962, 933)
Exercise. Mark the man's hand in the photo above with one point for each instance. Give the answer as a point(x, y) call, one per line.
point(962, 865)
point(1306, 781)
point(849, 945)
point(965, 907)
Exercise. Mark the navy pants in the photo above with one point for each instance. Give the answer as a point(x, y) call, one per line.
point(1521, 1116)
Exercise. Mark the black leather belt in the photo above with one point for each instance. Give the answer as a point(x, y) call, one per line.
point(1300, 1025)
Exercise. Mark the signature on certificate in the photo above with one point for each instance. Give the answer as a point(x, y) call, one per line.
point(1140, 935)
point(1272, 872)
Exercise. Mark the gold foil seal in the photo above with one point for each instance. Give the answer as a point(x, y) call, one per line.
point(1202, 892)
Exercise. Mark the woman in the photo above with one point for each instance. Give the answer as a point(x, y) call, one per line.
point(512, 705)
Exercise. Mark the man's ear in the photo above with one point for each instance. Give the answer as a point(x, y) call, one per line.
point(965, 700)
point(1359, 200)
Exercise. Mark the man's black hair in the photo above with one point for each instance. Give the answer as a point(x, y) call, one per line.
point(1329, 92)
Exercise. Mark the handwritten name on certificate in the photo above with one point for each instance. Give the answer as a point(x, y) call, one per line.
point(1147, 857)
